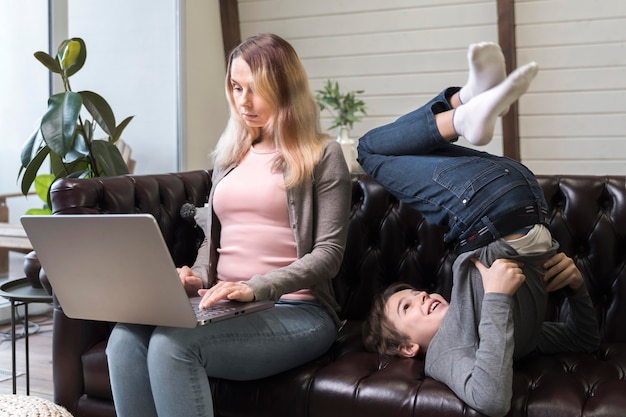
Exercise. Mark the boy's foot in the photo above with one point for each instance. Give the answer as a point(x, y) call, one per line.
point(476, 120)
point(486, 69)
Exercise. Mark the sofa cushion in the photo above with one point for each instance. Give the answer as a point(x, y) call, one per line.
point(96, 372)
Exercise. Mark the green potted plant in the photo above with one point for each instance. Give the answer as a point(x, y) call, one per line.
point(65, 135)
point(346, 109)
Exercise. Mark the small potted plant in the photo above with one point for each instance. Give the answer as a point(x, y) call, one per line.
point(346, 110)
point(65, 136)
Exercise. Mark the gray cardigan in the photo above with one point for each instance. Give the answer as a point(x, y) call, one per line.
point(319, 212)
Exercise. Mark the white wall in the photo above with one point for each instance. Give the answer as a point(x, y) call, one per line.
point(204, 106)
point(401, 52)
point(574, 117)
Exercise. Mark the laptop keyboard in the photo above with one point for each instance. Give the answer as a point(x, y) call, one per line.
point(207, 313)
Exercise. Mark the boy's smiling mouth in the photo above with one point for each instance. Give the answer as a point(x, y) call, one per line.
point(433, 306)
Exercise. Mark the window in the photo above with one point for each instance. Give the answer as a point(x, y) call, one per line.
point(132, 61)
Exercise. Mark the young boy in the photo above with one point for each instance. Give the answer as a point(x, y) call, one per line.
point(507, 261)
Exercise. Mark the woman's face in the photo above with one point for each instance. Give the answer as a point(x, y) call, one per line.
point(254, 110)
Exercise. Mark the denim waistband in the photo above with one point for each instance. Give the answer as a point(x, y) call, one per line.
point(505, 225)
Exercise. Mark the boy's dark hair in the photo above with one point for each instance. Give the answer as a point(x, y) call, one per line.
point(379, 335)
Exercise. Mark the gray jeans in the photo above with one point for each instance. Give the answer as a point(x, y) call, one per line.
point(164, 370)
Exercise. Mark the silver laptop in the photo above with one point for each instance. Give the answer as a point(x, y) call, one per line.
point(117, 268)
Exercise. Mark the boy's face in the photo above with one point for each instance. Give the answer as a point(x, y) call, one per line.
point(418, 315)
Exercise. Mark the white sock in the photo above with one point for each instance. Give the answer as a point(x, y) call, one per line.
point(486, 69)
point(476, 120)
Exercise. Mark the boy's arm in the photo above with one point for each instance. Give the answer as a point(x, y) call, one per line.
point(481, 373)
point(580, 331)
point(490, 383)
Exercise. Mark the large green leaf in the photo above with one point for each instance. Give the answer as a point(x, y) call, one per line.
point(31, 146)
point(57, 167)
point(59, 123)
point(33, 167)
point(108, 158)
point(49, 62)
point(102, 113)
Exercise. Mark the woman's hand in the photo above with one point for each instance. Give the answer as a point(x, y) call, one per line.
point(191, 283)
point(561, 272)
point(504, 276)
point(224, 290)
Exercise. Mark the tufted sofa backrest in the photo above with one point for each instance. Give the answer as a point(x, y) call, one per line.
point(160, 195)
point(388, 241)
point(588, 219)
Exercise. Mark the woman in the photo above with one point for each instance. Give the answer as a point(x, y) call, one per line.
point(279, 210)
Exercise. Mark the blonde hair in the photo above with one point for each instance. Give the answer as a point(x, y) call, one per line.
point(280, 79)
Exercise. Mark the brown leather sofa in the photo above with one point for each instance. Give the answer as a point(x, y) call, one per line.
point(387, 242)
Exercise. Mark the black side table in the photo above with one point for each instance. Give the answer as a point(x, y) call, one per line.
point(19, 292)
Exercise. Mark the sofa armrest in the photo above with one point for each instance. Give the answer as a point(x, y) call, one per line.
point(79, 373)
point(71, 339)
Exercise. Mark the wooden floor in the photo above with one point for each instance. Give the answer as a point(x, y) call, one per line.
point(40, 341)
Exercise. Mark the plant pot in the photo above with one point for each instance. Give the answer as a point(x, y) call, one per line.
point(348, 147)
point(32, 268)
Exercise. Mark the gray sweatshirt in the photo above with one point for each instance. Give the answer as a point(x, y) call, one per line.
point(482, 334)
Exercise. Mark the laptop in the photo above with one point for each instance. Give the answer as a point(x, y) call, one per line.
point(117, 268)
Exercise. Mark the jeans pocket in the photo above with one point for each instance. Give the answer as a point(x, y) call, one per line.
point(465, 176)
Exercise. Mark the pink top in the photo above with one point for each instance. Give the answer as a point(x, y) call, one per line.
point(251, 205)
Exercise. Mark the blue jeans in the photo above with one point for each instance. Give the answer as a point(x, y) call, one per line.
point(478, 196)
point(164, 370)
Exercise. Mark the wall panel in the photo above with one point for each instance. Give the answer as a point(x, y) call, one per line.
point(573, 118)
point(401, 52)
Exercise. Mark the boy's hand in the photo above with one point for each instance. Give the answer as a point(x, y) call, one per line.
point(505, 275)
point(561, 272)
